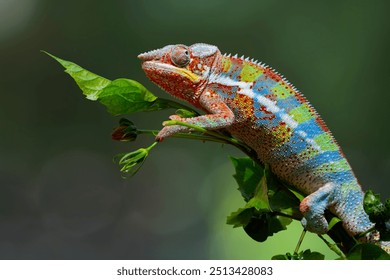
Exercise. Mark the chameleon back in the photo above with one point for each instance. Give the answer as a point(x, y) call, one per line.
point(285, 130)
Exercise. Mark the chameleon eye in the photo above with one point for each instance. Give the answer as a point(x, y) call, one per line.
point(180, 56)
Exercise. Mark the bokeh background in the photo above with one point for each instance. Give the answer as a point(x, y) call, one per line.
point(61, 195)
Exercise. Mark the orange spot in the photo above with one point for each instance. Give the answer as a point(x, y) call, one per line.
point(322, 124)
point(272, 75)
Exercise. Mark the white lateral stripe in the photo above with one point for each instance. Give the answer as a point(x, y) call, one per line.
point(245, 88)
point(289, 120)
point(302, 133)
point(313, 143)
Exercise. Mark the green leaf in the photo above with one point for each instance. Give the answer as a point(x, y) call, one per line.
point(121, 96)
point(282, 200)
point(373, 205)
point(304, 255)
point(90, 83)
point(378, 213)
point(258, 227)
point(252, 217)
point(256, 216)
point(184, 113)
point(296, 193)
point(334, 248)
point(240, 218)
point(309, 255)
point(282, 257)
point(258, 203)
point(387, 205)
point(334, 220)
point(260, 199)
point(267, 225)
point(339, 235)
point(248, 175)
point(265, 197)
point(367, 252)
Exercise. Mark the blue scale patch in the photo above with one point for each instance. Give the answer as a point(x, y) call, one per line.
point(298, 143)
point(350, 200)
point(288, 103)
point(341, 177)
point(268, 121)
point(230, 95)
point(263, 85)
point(323, 158)
point(235, 70)
point(317, 161)
point(310, 127)
point(352, 205)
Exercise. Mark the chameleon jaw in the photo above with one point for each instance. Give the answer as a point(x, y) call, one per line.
point(155, 66)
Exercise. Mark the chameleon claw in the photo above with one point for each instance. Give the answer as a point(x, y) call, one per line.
point(317, 225)
point(175, 118)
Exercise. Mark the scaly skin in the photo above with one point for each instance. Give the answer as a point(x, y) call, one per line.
point(262, 109)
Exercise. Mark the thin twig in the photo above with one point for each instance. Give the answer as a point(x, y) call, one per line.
point(300, 241)
point(333, 247)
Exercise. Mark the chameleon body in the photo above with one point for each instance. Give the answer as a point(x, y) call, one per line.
point(258, 106)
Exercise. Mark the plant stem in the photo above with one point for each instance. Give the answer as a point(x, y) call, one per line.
point(229, 140)
point(333, 247)
point(287, 215)
point(300, 241)
point(193, 136)
point(151, 146)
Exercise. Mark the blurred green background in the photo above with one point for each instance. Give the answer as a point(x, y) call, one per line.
point(62, 197)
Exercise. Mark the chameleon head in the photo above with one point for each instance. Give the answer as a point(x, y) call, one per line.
point(180, 70)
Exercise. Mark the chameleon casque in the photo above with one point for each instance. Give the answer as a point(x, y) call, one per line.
point(258, 106)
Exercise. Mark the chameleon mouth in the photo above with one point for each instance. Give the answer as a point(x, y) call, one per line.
point(152, 66)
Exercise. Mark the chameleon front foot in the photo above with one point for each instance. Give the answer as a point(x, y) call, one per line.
point(313, 209)
point(169, 130)
point(317, 225)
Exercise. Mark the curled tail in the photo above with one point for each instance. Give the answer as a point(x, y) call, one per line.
point(346, 202)
point(374, 238)
point(385, 245)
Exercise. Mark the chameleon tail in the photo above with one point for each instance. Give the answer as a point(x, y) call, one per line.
point(348, 207)
point(374, 238)
point(385, 245)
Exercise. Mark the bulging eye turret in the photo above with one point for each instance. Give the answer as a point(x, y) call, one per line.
point(180, 56)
